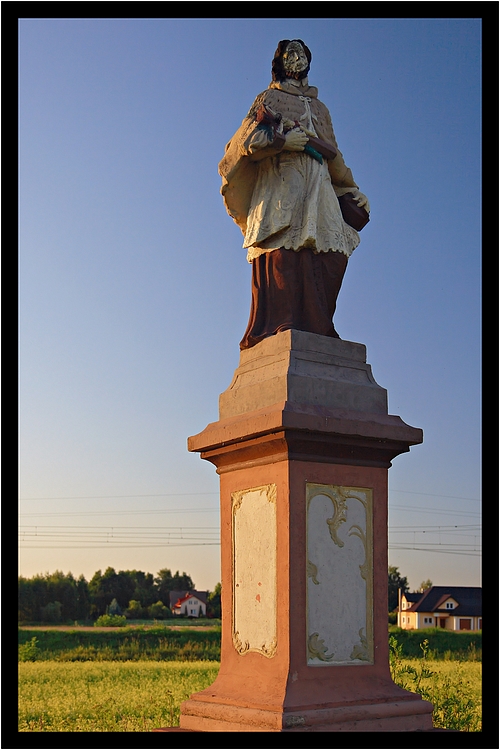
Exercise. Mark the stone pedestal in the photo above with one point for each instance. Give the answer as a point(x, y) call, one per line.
point(303, 446)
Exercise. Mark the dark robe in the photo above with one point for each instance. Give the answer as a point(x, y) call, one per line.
point(294, 289)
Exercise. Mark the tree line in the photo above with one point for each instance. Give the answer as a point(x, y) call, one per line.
point(59, 597)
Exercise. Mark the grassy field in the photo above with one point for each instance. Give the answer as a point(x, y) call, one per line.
point(107, 696)
point(158, 643)
point(141, 696)
point(453, 688)
point(186, 643)
point(175, 622)
point(134, 679)
point(443, 644)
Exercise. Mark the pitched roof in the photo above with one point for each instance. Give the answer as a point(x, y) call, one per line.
point(468, 598)
point(413, 597)
point(176, 597)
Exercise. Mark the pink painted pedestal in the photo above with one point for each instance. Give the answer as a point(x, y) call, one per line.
point(303, 448)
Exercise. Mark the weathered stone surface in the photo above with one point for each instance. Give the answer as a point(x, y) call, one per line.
point(302, 448)
point(306, 369)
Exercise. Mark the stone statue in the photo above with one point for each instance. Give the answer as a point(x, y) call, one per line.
point(282, 177)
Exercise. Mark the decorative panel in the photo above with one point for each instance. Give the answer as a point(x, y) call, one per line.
point(339, 575)
point(254, 570)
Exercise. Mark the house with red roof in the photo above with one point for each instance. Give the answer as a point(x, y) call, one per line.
point(447, 607)
point(189, 603)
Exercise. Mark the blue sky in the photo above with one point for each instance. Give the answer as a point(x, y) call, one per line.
point(135, 291)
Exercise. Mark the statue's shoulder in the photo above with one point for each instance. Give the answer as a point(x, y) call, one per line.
point(261, 98)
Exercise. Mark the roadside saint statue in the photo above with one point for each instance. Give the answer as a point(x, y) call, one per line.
point(282, 178)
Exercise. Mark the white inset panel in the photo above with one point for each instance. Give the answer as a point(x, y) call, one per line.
point(339, 575)
point(254, 570)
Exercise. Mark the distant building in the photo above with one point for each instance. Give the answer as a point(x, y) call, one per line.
point(447, 607)
point(189, 603)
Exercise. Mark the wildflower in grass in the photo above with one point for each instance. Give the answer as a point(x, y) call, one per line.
point(29, 651)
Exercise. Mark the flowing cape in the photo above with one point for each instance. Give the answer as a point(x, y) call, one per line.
point(239, 166)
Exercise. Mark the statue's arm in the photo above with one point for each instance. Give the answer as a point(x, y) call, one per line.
point(340, 174)
point(261, 145)
point(260, 142)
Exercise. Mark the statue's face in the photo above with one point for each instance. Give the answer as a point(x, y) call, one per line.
point(294, 58)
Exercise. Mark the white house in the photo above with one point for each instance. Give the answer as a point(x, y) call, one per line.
point(188, 603)
point(448, 607)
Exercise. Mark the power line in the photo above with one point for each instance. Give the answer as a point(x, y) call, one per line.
point(433, 494)
point(34, 536)
point(432, 511)
point(134, 528)
point(444, 551)
point(125, 546)
point(108, 497)
point(440, 544)
point(120, 512)
point(435, 511)
point(207, 544)
point(113, 535)
point(395, 529)
point(432, 530)
point(442, 527)
point(187, 494)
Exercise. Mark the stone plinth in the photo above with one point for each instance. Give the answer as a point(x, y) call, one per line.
point(306, 369)
point(302, 447)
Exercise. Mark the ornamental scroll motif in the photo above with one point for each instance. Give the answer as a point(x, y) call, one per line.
point(254, 620)
point(316, 648)
point(339, 575)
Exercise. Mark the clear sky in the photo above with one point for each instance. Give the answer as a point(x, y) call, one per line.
point(135, 289)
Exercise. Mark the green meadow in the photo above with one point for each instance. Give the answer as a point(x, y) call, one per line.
point(107, 696)
point(157, 643)
point(453, 686)
point(134, 679)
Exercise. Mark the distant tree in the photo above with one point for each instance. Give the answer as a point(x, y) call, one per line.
point(163, 583)
point(145, 590)
point(424, 586)
point(32, 595)
point(51, 612)
point(61, 587)
point(99, 598)
point(122, 586)
point(103, 588)
point(134, 610)
point(114, 608)
point(110, 621)
point(395, 582)
point(41, 590)
point(159, 611)
point(214, 602)
point(182, 582)
point(82, 599)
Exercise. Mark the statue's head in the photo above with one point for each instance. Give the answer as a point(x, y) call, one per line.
point(292, 59)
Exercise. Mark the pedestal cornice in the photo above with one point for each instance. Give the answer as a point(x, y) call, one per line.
point(305, 433)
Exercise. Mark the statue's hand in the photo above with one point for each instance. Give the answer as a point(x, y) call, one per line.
point(295, 140)
point(361, 200)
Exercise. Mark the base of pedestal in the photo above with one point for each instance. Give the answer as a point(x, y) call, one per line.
point(395, 716)
point(178, 729)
